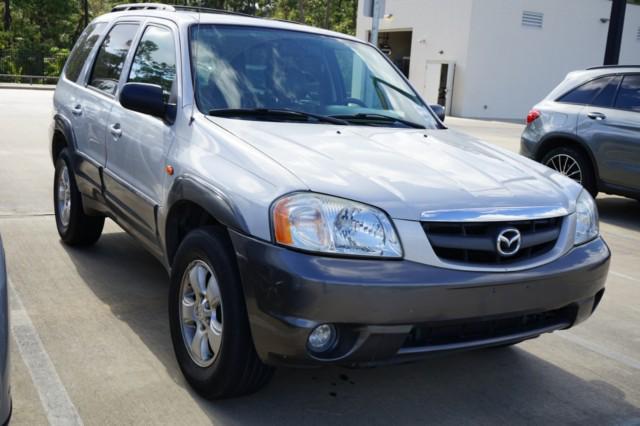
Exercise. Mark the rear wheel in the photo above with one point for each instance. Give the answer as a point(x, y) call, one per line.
point(74, 226)
point(573, 164)
point(208, 319)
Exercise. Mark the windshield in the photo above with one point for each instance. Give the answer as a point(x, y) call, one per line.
point(249, 68)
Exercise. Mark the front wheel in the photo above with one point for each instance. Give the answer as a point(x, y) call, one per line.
point(74, 226)
point(573, 164)
point(208, 319)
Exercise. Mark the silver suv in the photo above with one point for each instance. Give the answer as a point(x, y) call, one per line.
point(308, 205)
point(588, 128)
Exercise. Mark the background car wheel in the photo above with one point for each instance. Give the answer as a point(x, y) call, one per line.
point(574, 164)
point(208, 319)
point(74, 226)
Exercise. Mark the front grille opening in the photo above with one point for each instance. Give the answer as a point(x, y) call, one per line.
point(475, 242)
point(468, 331)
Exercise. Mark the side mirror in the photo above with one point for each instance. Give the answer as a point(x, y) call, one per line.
point(438, 110)
point(144, 98)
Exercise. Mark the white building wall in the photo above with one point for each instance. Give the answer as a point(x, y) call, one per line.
point(511, 67)
point(630, 50)
point(499, 63)
point(437, 25)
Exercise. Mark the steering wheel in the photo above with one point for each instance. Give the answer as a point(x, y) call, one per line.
point(355, 101)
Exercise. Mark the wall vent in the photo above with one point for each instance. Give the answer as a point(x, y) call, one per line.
point(638, 34)
point(532, 19)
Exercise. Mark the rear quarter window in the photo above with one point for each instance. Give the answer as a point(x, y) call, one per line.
point(585, 93)
point(81, 50)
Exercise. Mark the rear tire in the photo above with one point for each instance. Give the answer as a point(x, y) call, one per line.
point(206, 297)
point(74, 226)
point(574, 164)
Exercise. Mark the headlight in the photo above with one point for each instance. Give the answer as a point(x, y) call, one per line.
point(586, 218)
point(327, 224)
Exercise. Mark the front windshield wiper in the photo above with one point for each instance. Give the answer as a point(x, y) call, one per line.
point(275, 113)
point(364, 116)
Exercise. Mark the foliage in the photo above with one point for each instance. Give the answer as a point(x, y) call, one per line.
point(41, 33)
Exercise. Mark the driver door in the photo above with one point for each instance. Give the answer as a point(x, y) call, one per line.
point(138, 143)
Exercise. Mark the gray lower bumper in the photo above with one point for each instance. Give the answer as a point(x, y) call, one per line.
point(383, 309)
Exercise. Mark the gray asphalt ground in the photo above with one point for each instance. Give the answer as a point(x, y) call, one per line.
point(95, 347)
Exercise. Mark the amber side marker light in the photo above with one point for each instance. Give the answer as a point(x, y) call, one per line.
point(281, 224)
point(169, 170)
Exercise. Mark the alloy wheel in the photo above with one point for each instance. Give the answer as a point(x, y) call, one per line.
point(201, 313)
point(64, 197)
point(567, 165)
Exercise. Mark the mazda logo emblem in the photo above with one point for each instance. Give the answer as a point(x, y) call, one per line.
point(508, 242)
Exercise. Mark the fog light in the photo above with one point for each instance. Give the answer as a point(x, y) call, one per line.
point(322, 338)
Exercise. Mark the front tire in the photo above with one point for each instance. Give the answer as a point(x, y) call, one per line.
point(573, 164)
point(208, 319)
point(74, 226)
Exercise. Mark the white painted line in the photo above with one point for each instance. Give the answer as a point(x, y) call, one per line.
point(593, 347)
point(53, 396)
point(627, 277)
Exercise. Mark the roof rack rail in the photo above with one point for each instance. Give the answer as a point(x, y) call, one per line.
point(174, 8)
point(613, 66)
point(209, 10)
point(142, 6)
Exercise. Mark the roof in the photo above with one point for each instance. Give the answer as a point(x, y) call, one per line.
point(185, 15)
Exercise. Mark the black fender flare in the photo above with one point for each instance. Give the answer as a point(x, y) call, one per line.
point(207, 196)
point(63, 125)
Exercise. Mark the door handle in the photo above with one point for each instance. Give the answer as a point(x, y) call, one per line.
point(77, 110)
point(596, 116)
point(116, 130)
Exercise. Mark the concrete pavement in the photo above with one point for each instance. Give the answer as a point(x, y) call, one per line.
point(101, 316)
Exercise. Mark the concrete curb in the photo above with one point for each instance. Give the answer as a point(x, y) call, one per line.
point(19, 86)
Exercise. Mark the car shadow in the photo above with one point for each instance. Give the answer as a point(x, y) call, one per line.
point(619, 211)
point(492, 386)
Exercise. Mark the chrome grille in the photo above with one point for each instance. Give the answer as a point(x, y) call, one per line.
point(476, 242)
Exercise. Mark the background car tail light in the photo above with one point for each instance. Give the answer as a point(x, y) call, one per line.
point(533, 116)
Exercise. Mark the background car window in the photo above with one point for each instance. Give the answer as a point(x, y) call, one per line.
point(584, 94)
point(155, 59)
point(81, 51)
point(629, 94)
point(111, 56)
point(607, 95)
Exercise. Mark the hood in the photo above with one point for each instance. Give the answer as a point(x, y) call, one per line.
point(406, 172)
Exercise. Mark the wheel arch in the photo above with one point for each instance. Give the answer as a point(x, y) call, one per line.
point(557, 140)
point(193, 204)
point(62, 137)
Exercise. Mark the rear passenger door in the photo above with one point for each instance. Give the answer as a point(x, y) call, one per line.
point(611, 126)
point(138, 143)
point(71, 98)
point(98, 98)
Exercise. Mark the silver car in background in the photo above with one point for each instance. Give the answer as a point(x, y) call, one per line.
point(588, 128)
point(5, 389)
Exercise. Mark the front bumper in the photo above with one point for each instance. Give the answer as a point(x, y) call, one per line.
point(395, 310)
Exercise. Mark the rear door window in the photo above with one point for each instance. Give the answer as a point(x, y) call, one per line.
point(607, 95)
point(155, 59)
point(111, 56)
point(587, 92)
point(629, 93)
point(81, 51)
